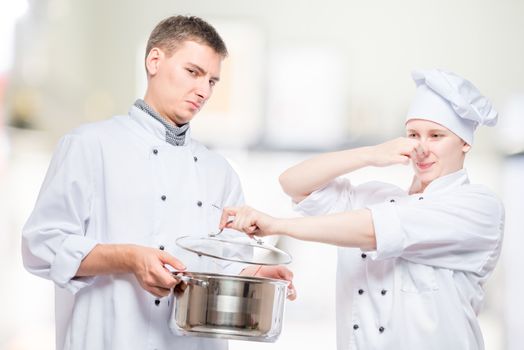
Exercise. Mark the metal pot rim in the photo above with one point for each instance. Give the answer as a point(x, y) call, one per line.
point(218, 276)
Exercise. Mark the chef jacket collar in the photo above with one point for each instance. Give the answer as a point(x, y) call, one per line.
point(152, 125)
point(448, 181)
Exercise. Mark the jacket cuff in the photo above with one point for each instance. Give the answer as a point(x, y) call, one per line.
point(67, 261)
point(388, 231)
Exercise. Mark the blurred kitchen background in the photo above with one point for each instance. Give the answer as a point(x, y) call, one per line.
point(302, 77)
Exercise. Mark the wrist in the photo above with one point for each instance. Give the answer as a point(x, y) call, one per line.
point(127, 257)
point(281, 227)
point(366, 156)
point(249, 271)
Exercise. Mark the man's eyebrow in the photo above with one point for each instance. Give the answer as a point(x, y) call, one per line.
point(197, 67)
point(202, 71)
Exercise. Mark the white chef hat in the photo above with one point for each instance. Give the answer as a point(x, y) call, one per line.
point(451, 101)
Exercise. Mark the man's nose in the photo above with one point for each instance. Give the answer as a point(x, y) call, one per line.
point(203, 90)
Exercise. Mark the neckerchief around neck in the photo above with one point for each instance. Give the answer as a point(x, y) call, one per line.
point(175, 135)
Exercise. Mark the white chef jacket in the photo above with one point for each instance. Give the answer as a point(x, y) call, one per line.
point(422, 287)
point(118, 181)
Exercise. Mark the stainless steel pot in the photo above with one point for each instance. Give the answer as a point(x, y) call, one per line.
point(231, 307)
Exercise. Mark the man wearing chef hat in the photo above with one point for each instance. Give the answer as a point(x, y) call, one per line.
point(117, 195)
point(425, 253)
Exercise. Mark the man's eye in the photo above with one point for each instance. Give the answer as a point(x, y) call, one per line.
point(191, 71)
point(412, 135)
point(212, 83)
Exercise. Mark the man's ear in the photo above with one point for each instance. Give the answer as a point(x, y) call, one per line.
point(153, 60)
point(466, 148)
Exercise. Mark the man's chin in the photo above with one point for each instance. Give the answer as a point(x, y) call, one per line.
point(183, 119)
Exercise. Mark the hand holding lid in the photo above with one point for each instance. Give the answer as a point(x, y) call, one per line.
point(238, 249)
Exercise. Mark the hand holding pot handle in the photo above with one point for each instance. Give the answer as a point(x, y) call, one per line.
point(291, 292)
point(150, 267)
point(276, 272)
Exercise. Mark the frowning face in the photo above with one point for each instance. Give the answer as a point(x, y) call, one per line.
point(179, 85)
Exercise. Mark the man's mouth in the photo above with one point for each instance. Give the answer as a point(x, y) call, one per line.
point(195, 104)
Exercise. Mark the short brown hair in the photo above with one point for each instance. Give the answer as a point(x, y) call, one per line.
point(173, 31)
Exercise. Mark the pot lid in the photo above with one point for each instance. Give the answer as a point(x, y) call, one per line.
point(241, 249)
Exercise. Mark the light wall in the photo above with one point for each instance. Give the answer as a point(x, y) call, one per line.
point(77, 61)
point(81, 61)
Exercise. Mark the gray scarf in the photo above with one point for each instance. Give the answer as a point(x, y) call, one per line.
point(175, 135)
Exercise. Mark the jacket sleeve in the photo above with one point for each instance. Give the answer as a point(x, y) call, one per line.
point(461, 230)
point(53, 239)
point(333, 198)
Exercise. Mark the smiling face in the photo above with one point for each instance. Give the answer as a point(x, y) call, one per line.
point(444, 151)
point(180, 84)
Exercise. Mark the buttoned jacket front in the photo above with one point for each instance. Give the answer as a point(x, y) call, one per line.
point(422, 288)
point(118, 181)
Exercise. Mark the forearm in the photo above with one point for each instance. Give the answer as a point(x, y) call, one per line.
point(107, 259)
point(302, 179)
point(348, 229)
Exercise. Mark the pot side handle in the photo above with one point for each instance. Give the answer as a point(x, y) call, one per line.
point(190, 280)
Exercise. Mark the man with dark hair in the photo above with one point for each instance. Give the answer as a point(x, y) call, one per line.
point(119, 192)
